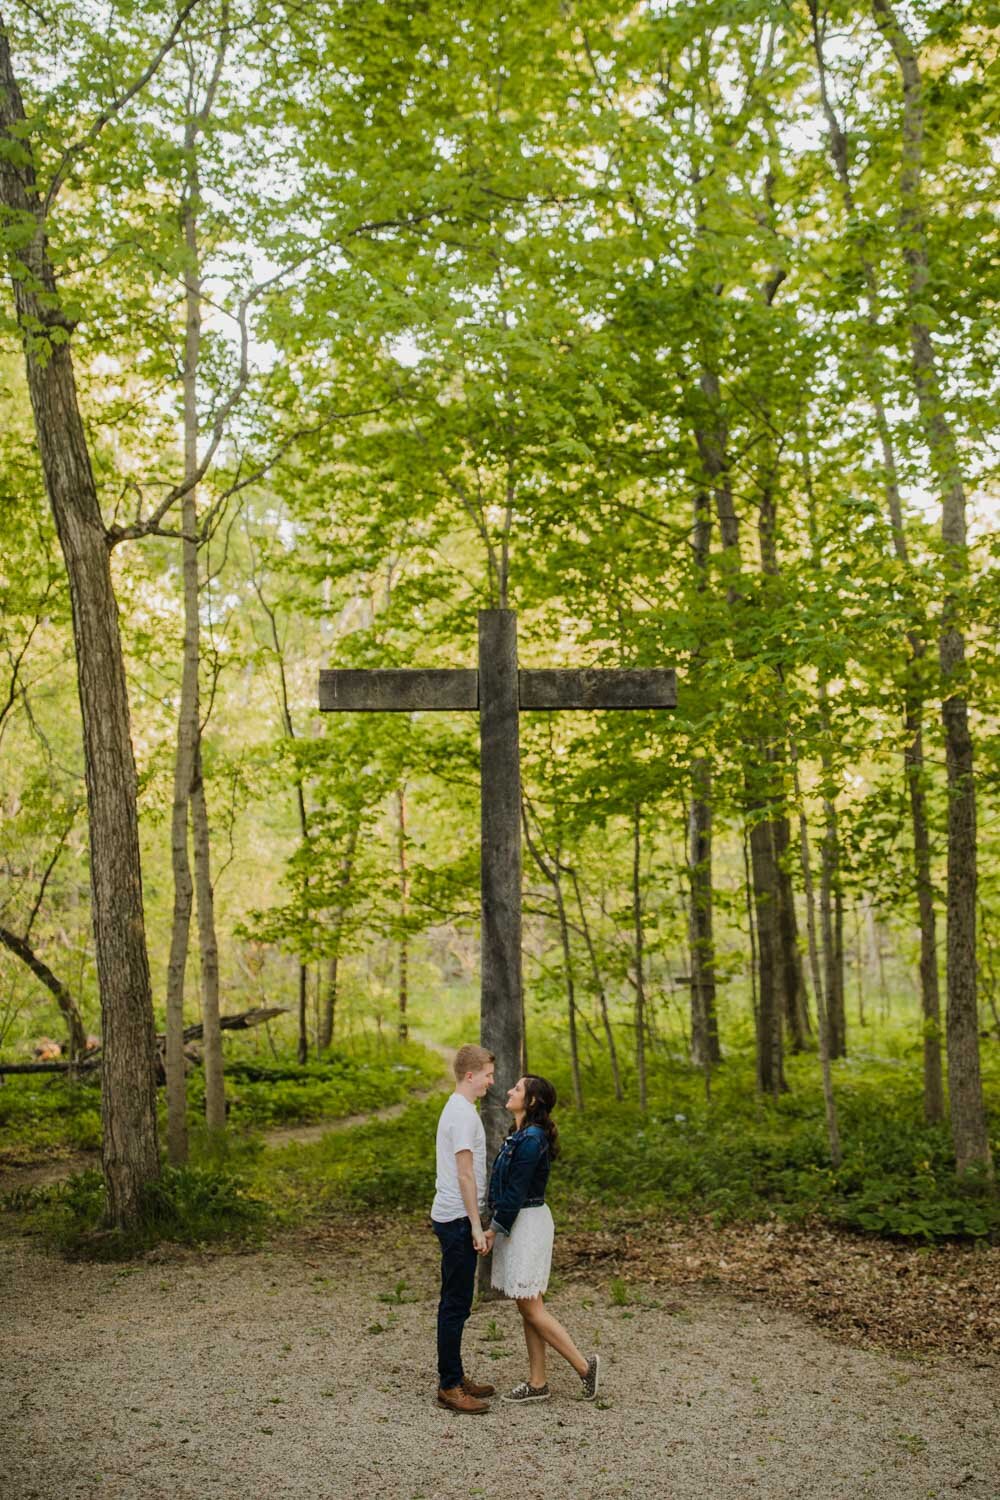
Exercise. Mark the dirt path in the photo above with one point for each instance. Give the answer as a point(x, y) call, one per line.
point(284, 1374)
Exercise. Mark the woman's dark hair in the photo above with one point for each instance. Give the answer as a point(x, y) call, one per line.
point(539, 1102)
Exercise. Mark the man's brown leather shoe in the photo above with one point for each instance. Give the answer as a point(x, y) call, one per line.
point(455, 1399)
point(472, 1389)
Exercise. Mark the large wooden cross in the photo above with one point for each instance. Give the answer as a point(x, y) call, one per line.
point(499, 691)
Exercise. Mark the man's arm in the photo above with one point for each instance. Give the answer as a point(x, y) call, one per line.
point(467, 1187)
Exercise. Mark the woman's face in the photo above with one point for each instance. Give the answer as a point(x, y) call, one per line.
point(515, 1098)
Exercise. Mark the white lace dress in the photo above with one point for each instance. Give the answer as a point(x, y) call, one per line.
point(522, 1259)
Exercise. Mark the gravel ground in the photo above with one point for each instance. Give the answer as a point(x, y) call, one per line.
point(282, 1374)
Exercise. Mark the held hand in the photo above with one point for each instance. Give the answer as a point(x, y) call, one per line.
point(491, 1236)
point(479, 1241)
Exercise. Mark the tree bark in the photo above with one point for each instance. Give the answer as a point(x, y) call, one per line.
point(770, 1070)
point(969, 1128)
point(705, 1050)
point(551, 870)
point(759, 779)
point(330, 993)
point(640, 983)
point(914, 754)
point(129, 1143)
point(601, 993)
point(822, 1020)
point(404, 911)
point(208, 946)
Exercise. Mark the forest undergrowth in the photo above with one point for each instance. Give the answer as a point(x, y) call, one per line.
point(708, 1157)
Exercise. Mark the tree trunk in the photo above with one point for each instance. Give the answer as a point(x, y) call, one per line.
point(930, 992)
point(796, 1011)
point(751, 929)
point(128, 1098)
point(601, 993)
point(807, 882)
point(188, 717)
point(705, 1050)
point(574, 1046)
point(968, 1115)
point(328, 1016)
point(770, 1072)
point(552, 871)
point(914, 755)
point(640, 984)
point(215, 1089)
point(404, 911)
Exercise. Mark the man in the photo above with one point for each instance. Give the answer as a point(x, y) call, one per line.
point(456, 1217)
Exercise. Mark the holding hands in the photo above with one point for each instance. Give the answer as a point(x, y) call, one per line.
point(482, 1240)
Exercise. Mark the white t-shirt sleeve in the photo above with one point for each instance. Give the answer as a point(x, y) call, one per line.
point(463, 1133)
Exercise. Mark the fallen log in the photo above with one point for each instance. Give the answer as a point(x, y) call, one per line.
point(194, 1033)
point(231, 1023)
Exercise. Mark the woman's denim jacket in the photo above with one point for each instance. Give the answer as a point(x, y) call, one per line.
point(519, 1175)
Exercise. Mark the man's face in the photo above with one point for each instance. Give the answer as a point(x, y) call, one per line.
point(483, 1081)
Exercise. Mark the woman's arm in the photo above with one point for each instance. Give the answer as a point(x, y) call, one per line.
point(522, 1168)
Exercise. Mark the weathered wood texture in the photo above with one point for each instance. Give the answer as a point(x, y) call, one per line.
point(596, 687)
point(382, 690)
point(501, 1026)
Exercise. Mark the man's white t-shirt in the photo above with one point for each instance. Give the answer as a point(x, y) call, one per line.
point(459, 1129)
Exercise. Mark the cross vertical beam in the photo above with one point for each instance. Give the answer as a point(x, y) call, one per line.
point(502, 1027)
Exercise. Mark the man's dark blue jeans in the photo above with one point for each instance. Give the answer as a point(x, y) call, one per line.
point(458, 1283)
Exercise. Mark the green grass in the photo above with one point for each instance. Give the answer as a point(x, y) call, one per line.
point(725, 1155)
point(728, 1157)
point(192, 1205)
point(44, 1112)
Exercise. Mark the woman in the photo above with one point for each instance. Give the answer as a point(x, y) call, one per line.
point(520, 1236)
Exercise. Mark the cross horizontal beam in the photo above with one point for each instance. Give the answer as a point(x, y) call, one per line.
point(598, 687)
point(391, 690)
point(388, 690)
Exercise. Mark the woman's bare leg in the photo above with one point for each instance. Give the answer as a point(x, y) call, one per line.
point(534, 1311)
point(536, 1353)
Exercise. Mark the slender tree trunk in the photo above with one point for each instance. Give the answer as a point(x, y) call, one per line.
point(794, 1002)
point(215, 1090)
point(328, 1015)
point(831, 897)
point(551, 869)
point(601, 993)
point(760, 777)
point(770, 1073)
point(751, 930)
point(300, 801)
point(914, 755)
point(404, 912)
point(328, 1018)
point(705, 1050)
point(574, 1046)
point(968, 1115)
point(822, 1018)
point(807, 882)
point(640, 983)
point(796, 1012)
point(128, 1096)
point(929, 986)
